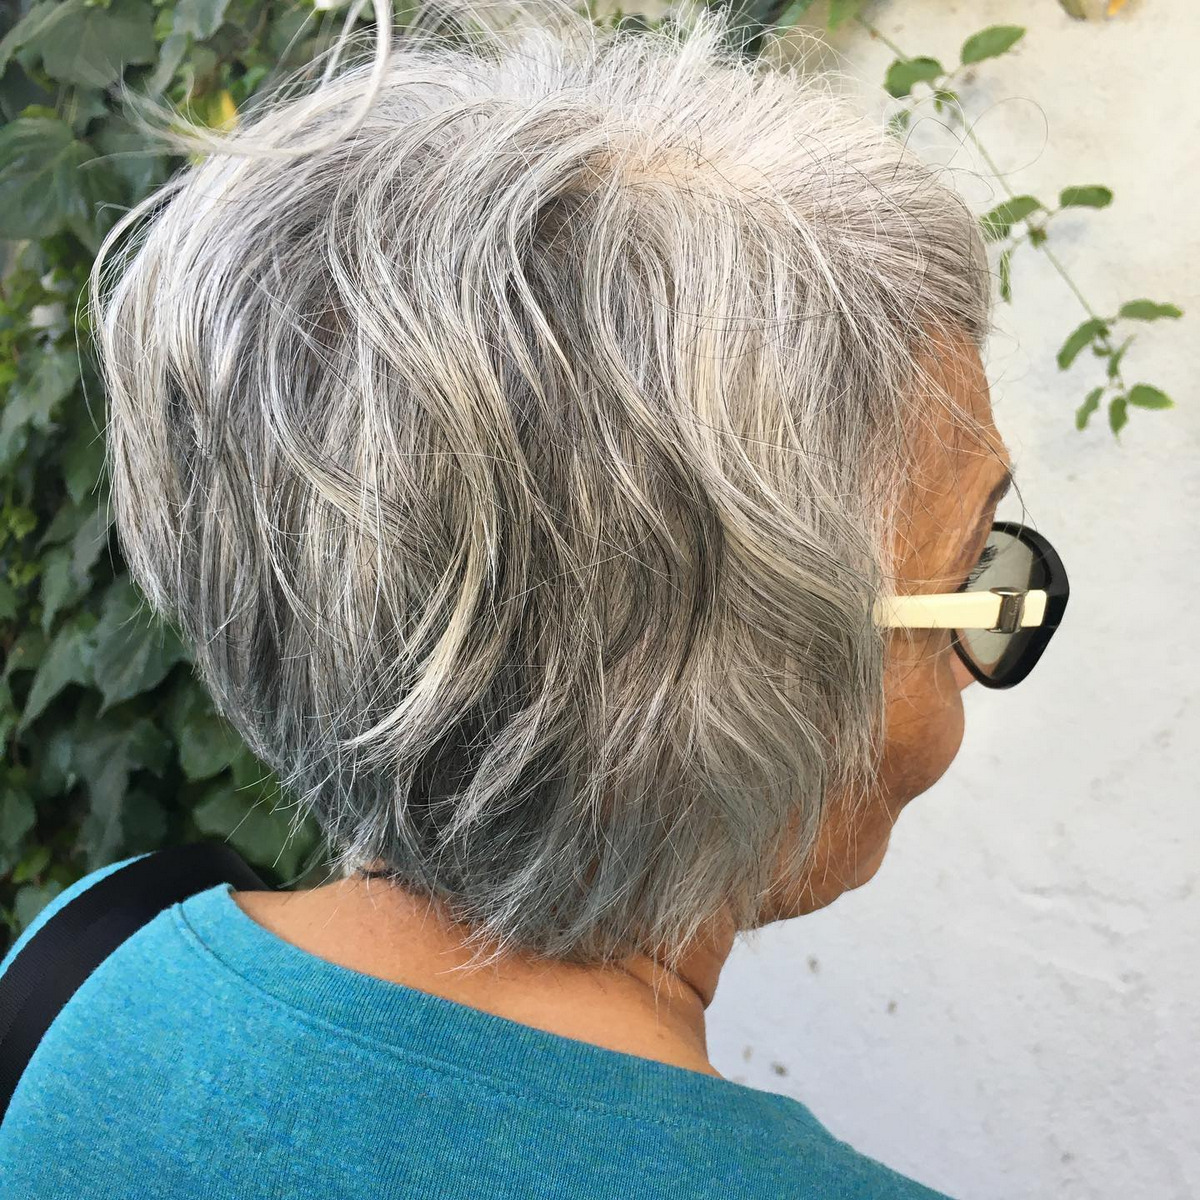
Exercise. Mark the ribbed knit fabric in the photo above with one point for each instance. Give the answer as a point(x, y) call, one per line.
point(207, 1057)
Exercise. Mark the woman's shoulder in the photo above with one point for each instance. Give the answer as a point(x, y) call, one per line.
point(770, 1144)
point(843, 1173)
point(802, 1158)
point(60, 901)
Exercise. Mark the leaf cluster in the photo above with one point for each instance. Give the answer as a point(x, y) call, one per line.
point(1024, 219)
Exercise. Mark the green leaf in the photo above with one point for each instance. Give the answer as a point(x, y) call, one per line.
point(108, 751)
point(65, 524)
point(20, 522)
point(143, 823)
point(17, 816)
point(200, 18)
point(1089, 406)
point(202, 65)
point(1144, 396)
point(898, 121)
point(1148, 310)
point(8, 711)
point(1118, 417)
point(255, 827)
point(841, 11)
point(31, 899)
point(134, 652)
point(249, 771)
point(8, 600)
point(39, 20)
point(998, 222)
point(26, 652)
point(990, 42)
point(86, 44)
point(54, 377)
point(18, 92)
point(82, 106)
point(1081, 337)
point(51, 183)
point(283, 33)
point(55, 762)
point(207, 744)
point(1092, 196)
point(1114, 361)
point(905, 72)
point(127, 155)
point(68, 659)
point(33, 404)
point(207, 747)
point(169, 58)
point(1006, 275)
point(81, 461)
point(92, 538)
point(61, 587)
point(32, 865)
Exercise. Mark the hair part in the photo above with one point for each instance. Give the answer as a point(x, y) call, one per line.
point(522, 464)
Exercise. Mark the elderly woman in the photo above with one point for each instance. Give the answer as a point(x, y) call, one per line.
point(577, 482)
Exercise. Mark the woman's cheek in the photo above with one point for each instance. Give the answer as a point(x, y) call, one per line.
point(933, 725)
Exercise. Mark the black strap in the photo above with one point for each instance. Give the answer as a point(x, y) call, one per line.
point(55, 961)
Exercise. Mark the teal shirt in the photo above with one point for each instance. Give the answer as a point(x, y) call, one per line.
point(207, 1057)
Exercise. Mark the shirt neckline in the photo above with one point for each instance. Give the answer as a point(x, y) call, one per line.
point(467, 1041)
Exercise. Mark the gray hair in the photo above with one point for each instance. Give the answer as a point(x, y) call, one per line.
point(523, 462)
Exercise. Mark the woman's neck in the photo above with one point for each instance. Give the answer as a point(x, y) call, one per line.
point(638, 1007)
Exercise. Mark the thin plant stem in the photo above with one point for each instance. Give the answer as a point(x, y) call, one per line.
point(887, 41)
point(992, 166)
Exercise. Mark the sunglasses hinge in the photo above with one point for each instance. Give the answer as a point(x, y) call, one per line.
point(1012, 604)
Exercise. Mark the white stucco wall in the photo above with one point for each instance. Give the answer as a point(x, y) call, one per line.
point(1012, 1007)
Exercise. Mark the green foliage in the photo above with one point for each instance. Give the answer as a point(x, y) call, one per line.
point(84, 43)
point(1091, 196)
point(1006, 274)
point(841, 11)
point(997, 223)
point(990, 43)
point(199, 18)
point(904, 73)
point(1089, 406)
point(1022, 219)
point(1118, 414)
point(1148, 310)
point(1144, 396)
point(50, 182)
point(111, 744)
point(1080, 338)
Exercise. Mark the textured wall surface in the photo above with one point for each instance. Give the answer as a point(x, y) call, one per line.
point(1010, 1009)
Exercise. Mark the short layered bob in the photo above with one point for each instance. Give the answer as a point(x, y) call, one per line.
point(516, 428)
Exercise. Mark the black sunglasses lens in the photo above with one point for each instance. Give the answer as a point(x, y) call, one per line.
point(1007, 562)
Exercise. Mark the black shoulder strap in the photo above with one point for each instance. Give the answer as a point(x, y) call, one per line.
point(55, 961)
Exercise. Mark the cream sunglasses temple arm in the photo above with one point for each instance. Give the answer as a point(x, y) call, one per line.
point(1001, 610)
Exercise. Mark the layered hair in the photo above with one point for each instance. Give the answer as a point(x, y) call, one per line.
point(516, 426)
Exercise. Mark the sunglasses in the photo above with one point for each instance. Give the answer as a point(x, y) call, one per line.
point(1003, 616)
